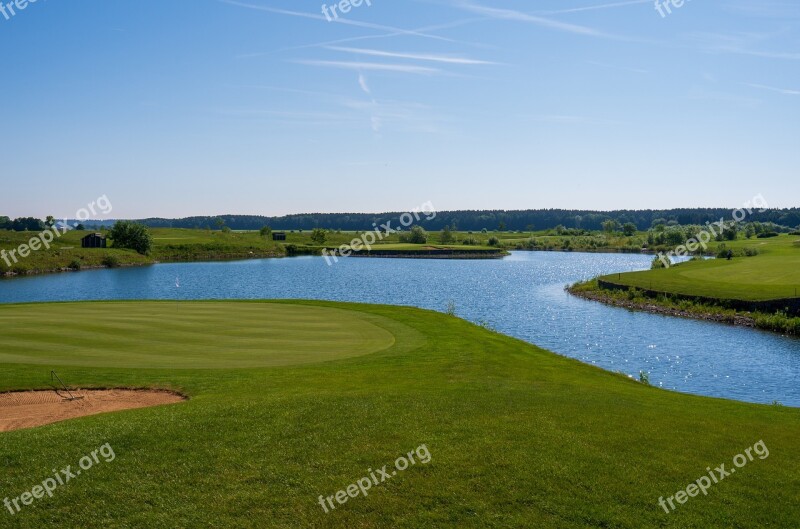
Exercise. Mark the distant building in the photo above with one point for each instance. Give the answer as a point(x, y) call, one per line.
point(279, 236)
point(93, 240)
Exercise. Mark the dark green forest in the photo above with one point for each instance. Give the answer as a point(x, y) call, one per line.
point(527, 220)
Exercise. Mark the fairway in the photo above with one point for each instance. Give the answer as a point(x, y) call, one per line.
point(773, 274)
point(185, 335)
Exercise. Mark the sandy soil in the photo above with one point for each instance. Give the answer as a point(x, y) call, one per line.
point(28, 409)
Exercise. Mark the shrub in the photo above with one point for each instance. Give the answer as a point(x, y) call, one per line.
point(132, 235)
point(494, 241)
point(319, 236)
point(724, 253)
point(779, 322)
point(767, 235)
point(111, 261)
point(470, 241)
point(75, 264)
point(417, 235)
point(447, 236)
point(750, 252)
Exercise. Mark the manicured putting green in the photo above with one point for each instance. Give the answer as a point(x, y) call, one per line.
point(185, 335)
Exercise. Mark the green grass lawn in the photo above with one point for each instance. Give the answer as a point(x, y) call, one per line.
point(134, 335)
point(773, 274)
point(519, 437)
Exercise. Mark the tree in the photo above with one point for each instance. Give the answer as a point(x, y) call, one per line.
point(417, 235)
point(447, 235)
point(265, 232)
point(629, 229)
point(610, 226)
point(5, 223)
point(50, 221)
point(501, 226)
point(319, 236)
point(27, 224)
point(132, 235)
point(80, 227)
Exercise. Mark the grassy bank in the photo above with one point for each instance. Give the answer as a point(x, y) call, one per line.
point(169, 245)
point(759, 291)
point(774, 273)
point(192, 245)
point(671, 305)
point(519, 437)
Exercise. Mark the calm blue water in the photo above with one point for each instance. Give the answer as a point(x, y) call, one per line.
point(521, 295)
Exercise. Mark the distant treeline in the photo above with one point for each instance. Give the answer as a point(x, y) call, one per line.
point(539, 219)
point(542, 219)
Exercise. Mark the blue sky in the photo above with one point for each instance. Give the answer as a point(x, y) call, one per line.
point(200, 107)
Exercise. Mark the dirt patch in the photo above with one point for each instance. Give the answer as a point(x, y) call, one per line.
point(28, 409)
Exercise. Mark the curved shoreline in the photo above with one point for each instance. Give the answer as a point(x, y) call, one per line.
point(653, 307)
point(639, 300)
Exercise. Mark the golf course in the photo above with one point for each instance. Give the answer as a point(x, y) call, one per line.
point(288, 401)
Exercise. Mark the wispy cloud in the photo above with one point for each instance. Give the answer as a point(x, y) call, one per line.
point(386, 35)
point(364, 66)
point(398, 115)
point(362, 82)
point(345, 21)
point(595, 7)
point(783, 91)
point(519, 16)
point(449, 59)
point(741, 44)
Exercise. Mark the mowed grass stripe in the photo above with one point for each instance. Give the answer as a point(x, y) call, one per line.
point(184, 335)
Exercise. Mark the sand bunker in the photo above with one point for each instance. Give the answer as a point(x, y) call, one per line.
point(28, 409)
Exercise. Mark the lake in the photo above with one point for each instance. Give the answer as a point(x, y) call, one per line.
point(521, 295)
